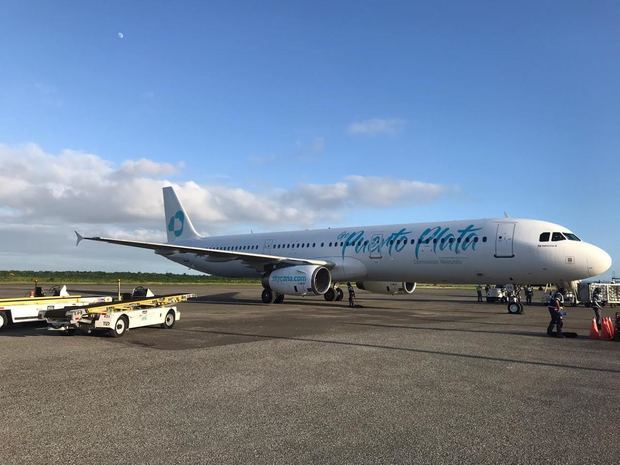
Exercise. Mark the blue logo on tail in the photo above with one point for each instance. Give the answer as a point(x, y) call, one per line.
point(176, 223)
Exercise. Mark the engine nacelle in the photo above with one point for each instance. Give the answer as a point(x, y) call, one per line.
point(386, 287)
point(299, 280)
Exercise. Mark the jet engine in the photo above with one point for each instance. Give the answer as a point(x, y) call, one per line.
point(386, 287)
point(299, 280)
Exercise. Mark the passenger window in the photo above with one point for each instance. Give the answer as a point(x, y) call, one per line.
point(412, 241)
point(557, 237)
point(544, 237)
point(322, 244)
point(484, 239)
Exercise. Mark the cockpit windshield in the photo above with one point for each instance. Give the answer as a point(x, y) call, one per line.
point(571, 237)
point(556, 236)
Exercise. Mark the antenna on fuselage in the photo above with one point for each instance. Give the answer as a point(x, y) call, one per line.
point(506, 215)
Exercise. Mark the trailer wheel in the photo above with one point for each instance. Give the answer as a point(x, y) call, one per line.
point(4, 320)
point(169, 321)
point(120, 327)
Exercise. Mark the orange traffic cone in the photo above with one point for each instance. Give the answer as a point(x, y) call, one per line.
point(594, 333)
point(606, 332)
point(612, 329)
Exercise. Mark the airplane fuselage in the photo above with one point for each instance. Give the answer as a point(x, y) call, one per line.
point(471, 251)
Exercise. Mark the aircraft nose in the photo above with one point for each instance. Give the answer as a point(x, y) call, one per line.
point(599, 261)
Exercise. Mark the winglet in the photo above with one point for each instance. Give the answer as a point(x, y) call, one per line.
point(79, 238)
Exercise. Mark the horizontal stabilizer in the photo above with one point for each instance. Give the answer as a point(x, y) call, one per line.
point(79, 237)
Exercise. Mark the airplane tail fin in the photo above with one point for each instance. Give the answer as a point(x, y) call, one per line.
point(178, 224)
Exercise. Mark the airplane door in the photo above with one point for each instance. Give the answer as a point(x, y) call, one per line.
point(504, 243)
point(375, 245)
point(268, 248)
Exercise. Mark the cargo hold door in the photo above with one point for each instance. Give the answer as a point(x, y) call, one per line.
point(504, 243)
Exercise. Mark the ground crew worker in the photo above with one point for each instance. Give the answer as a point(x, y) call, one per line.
point(479, 292)
point(529, 293)
point(555, 310)
point(351, 295)
point(597, 306)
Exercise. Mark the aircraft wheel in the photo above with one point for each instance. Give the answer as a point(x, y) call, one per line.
point(279, 299)
point(169, 321)
point(120, 327)
point(330, 295)
point(4, 320)
point(515, 307)
point(339, 294)
point(267, 296)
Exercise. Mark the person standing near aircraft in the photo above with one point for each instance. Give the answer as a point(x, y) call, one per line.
point(529, 293)
point(351, 295)
point(479, 292)
point(555, 310)
point(597, 306)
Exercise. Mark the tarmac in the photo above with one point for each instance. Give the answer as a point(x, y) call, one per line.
point(433, 378)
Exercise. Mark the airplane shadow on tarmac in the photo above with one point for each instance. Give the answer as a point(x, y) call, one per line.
point(457, 330)
point(228, 298)
point(408, 349)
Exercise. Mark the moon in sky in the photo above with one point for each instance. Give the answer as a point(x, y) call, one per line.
point(120, 35)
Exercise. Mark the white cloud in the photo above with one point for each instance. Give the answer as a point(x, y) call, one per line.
point(376, 126)
point(144, 167)
point(44, 197)
point(383, 192)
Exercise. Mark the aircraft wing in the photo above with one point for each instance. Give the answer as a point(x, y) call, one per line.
point(254, 260)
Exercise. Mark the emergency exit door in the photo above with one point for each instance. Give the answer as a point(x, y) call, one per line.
point(504, 240)
point(268, 247)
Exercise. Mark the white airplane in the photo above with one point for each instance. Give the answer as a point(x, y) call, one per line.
point(383, 259)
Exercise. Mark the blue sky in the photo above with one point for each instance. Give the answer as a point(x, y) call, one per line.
point(505, 106)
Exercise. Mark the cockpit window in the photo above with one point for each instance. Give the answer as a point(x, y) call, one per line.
point(571, 237)
point(544, 237)
point(557, 237)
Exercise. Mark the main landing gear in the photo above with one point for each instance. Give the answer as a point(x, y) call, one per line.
point(334, 293)
point(268, 296)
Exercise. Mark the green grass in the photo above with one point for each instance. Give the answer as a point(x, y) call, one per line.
point(101, 277)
